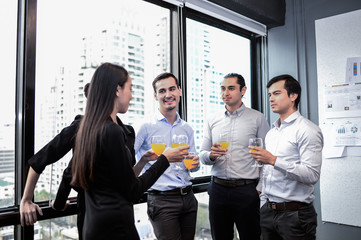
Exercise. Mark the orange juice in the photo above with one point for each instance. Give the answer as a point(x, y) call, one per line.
point(255, 150)
point(175, 145)
point(188, 163)
point(158, 148)
point(224, 145)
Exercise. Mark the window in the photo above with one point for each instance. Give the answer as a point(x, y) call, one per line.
point(8, 24)
point(69, 49)
point(211, 54)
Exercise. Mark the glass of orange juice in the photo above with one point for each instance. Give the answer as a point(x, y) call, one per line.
point(188, 161)
point(224, 141)
point(256, 142)
point(178, 141)
point(158, 144)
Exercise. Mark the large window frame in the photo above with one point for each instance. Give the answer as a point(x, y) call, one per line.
point(255, 45)
point(25, 97)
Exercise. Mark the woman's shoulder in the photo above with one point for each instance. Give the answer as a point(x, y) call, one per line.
point(113, 130)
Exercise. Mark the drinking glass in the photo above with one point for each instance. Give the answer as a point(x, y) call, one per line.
point(188, 160)
point(224, 141)
point(177, 141)
point(256, 142)
point(158, 144)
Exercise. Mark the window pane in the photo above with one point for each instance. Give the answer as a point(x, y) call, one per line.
point(211, 54)
point(203, 230)
point(71, 43)
point(8, 25)
point(63, 228)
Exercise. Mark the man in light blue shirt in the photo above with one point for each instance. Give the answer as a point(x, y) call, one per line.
point(172, 206)
point(233, 196)
point(292, 164)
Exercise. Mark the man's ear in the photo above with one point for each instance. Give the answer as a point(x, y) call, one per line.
point(243, 91)
point(180, 91)
point(293, 96)
point(155, 96)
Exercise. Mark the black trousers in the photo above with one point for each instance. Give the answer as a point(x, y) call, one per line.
point(234, 205)
point(289, 225)
point(173, 217)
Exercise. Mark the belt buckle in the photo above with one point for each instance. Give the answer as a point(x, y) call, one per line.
point(183, 193)
point(273, 206)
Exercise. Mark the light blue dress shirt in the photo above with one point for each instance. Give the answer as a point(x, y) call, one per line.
point(171, 178)
point(243, 124)
point(297, 143)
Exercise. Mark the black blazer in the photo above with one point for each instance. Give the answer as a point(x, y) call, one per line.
point(110, 196)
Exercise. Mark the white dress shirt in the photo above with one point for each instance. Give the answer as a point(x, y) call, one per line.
point(297, 143)
point(243, 124)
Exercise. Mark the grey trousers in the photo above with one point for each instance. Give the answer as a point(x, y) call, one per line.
point(287, 224)
point(173, 217)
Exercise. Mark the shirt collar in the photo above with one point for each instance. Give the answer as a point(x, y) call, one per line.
point(237, 112)
point(288, 120)
point(160, 117)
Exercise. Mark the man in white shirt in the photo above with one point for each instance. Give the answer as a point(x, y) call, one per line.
point(233, 196)
point(292, 164)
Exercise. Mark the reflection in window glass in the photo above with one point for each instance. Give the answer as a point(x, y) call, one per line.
point(8, 25)
point(211, 54)
point(71, 46)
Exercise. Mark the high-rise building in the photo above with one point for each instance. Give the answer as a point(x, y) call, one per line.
point(120, 42)
point(7, 143)
point(203, 87)
point(7, 168)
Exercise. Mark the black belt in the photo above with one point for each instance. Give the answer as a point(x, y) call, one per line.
point(293, 206)
point(173, 192)
point(233, 183)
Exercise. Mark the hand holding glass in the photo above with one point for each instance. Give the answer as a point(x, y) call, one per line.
point(188, 161)
point(223, 140)
point(177, 141)
point(256, 142)
point(158, 145)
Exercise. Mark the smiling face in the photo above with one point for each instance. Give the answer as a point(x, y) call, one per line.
point(232, 93)
point(167, 94)
point(279, 100)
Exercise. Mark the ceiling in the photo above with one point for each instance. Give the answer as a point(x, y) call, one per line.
point(268, 12)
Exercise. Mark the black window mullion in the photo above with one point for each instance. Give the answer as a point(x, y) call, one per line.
point(25, 99)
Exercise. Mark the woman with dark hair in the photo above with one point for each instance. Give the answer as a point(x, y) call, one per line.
point(102, 162)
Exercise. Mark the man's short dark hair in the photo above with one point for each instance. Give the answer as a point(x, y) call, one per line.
point(240, 79)
point(291, 86)
point(164, 76)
